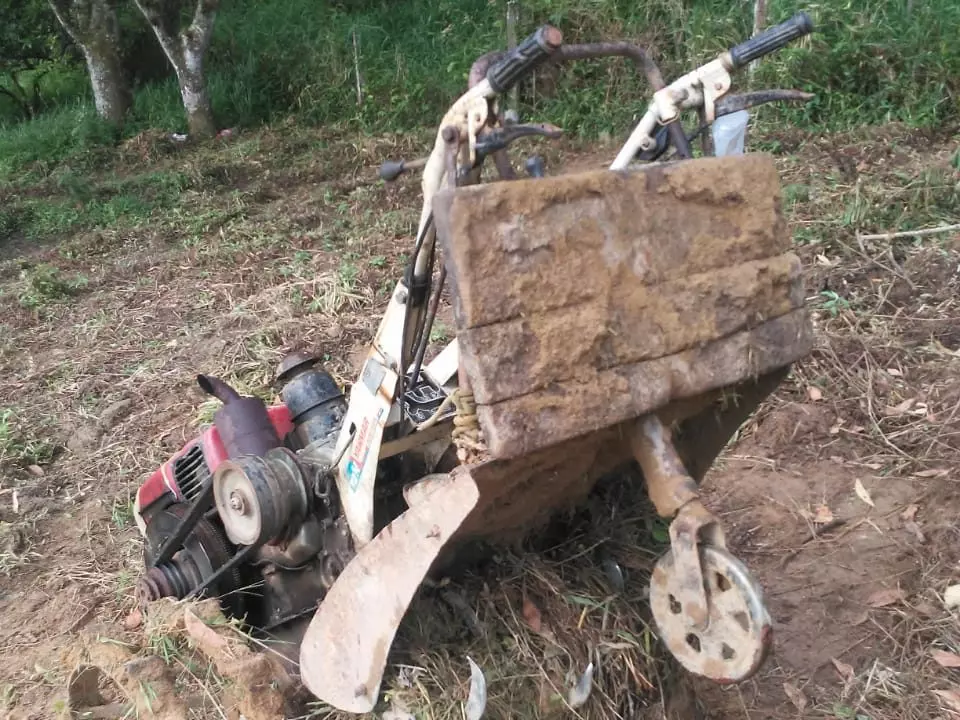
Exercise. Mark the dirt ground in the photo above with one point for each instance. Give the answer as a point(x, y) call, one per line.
point(841, 493)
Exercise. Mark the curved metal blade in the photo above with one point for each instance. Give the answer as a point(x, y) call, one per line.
point(344, 651)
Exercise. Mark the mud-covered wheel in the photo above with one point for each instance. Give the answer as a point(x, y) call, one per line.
point(738, 634)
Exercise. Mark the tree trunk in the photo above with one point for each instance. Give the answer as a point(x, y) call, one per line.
point(185, 48)
point(111, 95)
point(93, 26)
point(196, 98)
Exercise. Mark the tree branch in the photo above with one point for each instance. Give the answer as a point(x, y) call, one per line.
point(168, 38)
point(201, 29)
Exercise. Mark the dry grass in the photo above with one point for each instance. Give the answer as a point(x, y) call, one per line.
point(297, 248)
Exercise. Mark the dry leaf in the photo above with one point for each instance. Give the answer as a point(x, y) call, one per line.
point(900, 408)
point(940, 472)
point(814, 393)
point(823, 515)
point(531, 613)
point(580, 692)
point(796, 696)
point(35, 470)
point(860, 619)
point(862, 493)
point(894, 372)
point(909, 512)
point(946, 659)
point(911, 526)
point(845, 671)
point(951, 698)
point(882, 598)
point(951, 597)
point(477, 698)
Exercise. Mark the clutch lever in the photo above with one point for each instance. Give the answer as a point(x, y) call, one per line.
point(498, 139)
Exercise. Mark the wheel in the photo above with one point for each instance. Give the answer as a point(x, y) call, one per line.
point(738, 633)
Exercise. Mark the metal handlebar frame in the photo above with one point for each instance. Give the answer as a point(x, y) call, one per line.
point(474, 113)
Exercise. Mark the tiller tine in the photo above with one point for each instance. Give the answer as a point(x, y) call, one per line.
point(344, 651)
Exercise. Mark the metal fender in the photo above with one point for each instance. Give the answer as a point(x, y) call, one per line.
point(344, 651)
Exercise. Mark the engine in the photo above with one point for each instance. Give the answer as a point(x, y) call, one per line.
point(248, 511)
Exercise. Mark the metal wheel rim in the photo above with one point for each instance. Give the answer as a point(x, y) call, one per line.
point(738, 636)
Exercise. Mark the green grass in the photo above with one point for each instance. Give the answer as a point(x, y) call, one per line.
point(81, 202)
point(14, 447)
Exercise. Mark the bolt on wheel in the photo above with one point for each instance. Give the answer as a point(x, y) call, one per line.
point(734, 641)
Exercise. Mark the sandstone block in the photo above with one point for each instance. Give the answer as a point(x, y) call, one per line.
point(515, 249)
point(601, 398)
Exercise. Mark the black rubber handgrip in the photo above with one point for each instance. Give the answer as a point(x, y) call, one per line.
point(524, 58)
point(391, 170)
point(771, 39)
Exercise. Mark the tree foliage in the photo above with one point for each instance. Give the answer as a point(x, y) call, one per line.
point(29, 39)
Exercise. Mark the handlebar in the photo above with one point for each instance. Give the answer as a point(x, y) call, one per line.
point(524, 58)
point(771, 39)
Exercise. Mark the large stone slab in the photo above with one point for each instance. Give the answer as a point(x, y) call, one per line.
point(601, 398)
point(516, 249)
point(626, 324)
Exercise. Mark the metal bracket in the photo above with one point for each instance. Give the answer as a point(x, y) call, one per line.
point(477, 113)
point(675, 494)
point(694, 524)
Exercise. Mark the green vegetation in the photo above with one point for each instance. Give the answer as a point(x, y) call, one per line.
point(869, 62)
point(271, 60)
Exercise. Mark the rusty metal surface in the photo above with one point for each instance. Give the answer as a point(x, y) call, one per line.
point(628, 323)
point(244, 424)
point(344, 650)
point(738, 633)
point(536, 245)
point(669, 485)
point(693, 527)
point(704, 434)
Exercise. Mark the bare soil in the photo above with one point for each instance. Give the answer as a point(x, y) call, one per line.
point(841, 494)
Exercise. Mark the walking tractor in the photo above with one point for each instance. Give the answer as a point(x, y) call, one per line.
point(637, 314)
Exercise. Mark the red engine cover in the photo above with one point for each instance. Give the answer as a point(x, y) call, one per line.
point(162, 486)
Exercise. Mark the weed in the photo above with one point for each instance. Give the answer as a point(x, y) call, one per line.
point(44, 284)
point(121, 513)
point(833, 303)
point(14, 447)
point(348, 274)
point(439, 332)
